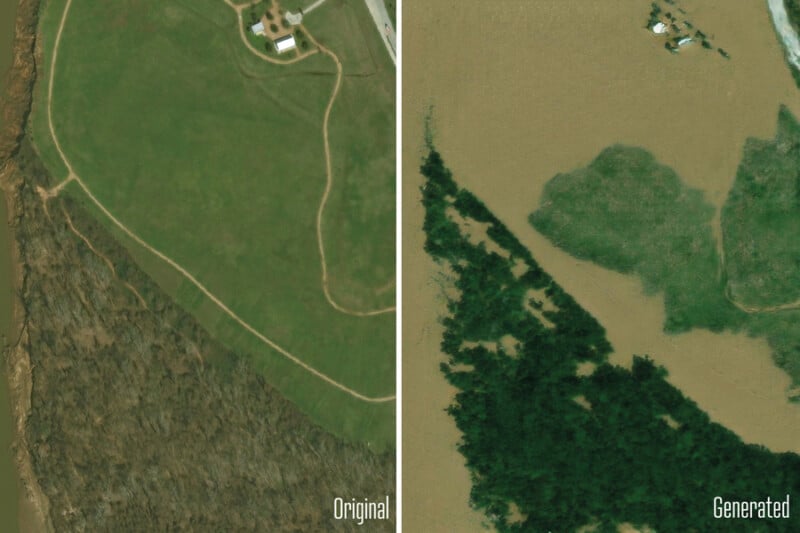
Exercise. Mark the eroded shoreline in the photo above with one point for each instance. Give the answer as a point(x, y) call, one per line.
point(16, 105)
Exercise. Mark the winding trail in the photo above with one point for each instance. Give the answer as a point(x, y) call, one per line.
point(328, 165)
point(102, 257)
point(328, 187)
point(72, 176)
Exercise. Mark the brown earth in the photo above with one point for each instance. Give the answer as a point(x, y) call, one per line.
point(121, 426)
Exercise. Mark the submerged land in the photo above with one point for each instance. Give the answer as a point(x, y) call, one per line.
point(526, 125)
point(554, 436)
point(129, 414)
point(628, 213)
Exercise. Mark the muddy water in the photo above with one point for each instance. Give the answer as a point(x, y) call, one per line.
point(8, 476)
point(522, 93)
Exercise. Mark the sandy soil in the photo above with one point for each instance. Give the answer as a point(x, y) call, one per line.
point(579, 80)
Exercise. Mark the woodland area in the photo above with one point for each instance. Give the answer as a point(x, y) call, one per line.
point(550, 445)
point(131, 417)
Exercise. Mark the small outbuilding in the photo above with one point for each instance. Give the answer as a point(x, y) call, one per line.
point(659, 28)
point(284, 44)
point(258, 28)
point(683, 42)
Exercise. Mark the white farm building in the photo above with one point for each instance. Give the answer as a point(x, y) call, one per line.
point(284, 44)
point(659, 28)
point(258, 28)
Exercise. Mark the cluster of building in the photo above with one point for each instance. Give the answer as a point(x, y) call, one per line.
point(660, 28)
point(282, 44)
point(677, 30)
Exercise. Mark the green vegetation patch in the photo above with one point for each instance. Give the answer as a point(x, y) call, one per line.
point(216, 158)
point(761, 220)
point(549, 449)
point(628, 213)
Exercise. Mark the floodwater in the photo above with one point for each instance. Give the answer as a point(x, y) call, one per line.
point(8, 475)
point(521, 91)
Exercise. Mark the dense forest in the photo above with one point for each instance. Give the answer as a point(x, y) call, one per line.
point(139, 420)
point(556, 438)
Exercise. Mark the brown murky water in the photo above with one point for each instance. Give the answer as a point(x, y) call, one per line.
point(522, 91)
point(8, 475)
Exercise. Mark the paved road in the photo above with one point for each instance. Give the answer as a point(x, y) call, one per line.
point(789, 37)
point(312, 7)
point(377, 8)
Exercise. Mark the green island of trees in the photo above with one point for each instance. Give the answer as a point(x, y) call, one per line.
point(551, 446)
point(628, 213)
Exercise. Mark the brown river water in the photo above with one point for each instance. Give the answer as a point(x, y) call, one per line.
point(523, 90)
point(8, 475)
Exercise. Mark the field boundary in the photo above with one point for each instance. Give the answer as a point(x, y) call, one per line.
point(72, 176)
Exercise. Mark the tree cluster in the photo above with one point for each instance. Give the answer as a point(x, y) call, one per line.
point(563, 464)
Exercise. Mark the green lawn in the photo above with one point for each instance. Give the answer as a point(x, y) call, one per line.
point(628, 213)
point(215, 157)
point(761, 220)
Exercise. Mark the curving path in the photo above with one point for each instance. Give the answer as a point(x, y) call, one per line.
point(72, 176)
point(328, 166)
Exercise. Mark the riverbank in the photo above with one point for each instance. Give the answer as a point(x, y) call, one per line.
point(32, 514)
point(9, 483)
point(788, 35)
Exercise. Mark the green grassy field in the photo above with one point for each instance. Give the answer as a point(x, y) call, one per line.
point(761, 220)
point(215, 157)
point(628, 213)
point(359, 227)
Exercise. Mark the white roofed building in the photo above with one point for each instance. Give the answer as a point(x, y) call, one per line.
point(258, 28)
point(659, 28)
point(284, 44)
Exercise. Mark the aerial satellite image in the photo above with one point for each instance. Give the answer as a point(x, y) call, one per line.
point(601, 266)
point(199, 271)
